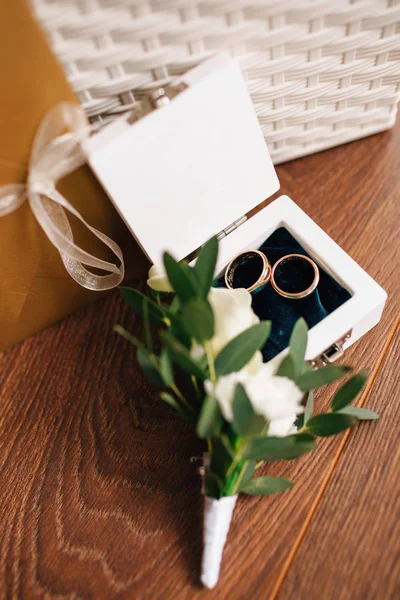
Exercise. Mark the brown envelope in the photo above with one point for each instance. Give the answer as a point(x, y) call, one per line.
point(35, 289)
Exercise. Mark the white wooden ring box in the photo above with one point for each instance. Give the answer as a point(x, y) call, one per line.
point(178, 172)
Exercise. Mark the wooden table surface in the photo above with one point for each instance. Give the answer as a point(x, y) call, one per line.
point(99, 497)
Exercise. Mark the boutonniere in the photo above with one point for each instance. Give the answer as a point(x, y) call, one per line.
point(201, 346)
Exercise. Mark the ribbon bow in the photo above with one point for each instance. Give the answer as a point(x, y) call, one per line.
point(54, 155)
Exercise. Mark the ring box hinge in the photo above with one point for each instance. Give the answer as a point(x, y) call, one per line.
point(154, 100)
point(144, 105)
point(231, 227)
point(332, 353)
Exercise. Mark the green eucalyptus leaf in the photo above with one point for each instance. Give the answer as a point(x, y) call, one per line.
point(191, 276)
point(329, 424)
point(299, 422)
point(210, 419)
point(262, 486)
point(182, 279)
point(315, 379)
point(277, 448)
point(362, 414)
point(149, 368)
point(308, 412)
point(212, 484)
point(166, 368)
point(137, 300)
point(178, 332)
point(181, 356)
point(349, 391)
point(227, 444)
point(198, 319)
point(238, 352)
point(245, 421)
point(169, 399)
point(247, 472)
point(287, 368)
point(205, 265)
point(298, 345)
point(221, 456)
point(175, 305)
point(179, 411)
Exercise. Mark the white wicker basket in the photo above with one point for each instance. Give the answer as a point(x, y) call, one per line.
point(320, 73)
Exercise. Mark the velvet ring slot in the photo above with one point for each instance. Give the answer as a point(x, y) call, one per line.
point(284, 312)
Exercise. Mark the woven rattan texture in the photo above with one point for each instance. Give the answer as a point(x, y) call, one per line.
point(320, 73)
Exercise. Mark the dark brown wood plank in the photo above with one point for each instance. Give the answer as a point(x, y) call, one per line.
point(98, 497)
point(352, 547)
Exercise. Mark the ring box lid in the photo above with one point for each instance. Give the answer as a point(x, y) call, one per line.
point(189, 169)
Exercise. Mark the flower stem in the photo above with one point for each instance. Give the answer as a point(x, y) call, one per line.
point(236, 460)
point(146, 325)
point(195, 385)
point(237, 483)
point(179, 395)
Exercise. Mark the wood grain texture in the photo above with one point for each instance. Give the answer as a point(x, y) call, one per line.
point(352, 548)
point(98, 495)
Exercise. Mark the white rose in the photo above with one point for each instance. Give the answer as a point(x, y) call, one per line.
point(233, 314)
point(272, 396)
point(282, 427)
point(277, 399)
point(224, 390)
point(158, 280)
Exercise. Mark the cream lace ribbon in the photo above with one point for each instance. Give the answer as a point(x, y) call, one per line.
point(54, 155)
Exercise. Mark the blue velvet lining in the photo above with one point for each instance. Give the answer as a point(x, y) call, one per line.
point(284, 312)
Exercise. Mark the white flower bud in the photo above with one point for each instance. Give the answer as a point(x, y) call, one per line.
point(158, 280)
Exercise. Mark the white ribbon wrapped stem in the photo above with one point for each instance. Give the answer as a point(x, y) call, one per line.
point(217, 520)
point(54, 155)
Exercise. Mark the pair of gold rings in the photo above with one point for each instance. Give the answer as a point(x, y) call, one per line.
point(251, 269)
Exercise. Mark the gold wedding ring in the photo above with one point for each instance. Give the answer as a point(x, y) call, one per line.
point(261, 268)
point(302, 294)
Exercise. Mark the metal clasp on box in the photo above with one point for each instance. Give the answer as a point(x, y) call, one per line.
point(332, 353)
